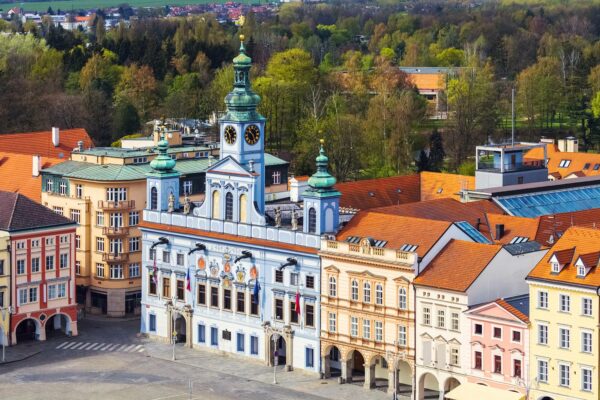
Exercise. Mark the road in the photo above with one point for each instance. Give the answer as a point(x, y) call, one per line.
point(108, 360)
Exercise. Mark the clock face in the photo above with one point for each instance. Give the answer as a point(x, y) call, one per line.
point(230, 134)
point(252, 134)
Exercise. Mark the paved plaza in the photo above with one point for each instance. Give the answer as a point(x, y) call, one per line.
point(109, 360)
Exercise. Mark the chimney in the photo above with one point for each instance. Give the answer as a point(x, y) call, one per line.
point(55, 136)
point(297, 188)
point(499, 231)
point(80, 146)
point(36, 165)
point(572, 144)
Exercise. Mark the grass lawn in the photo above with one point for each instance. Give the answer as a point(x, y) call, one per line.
point(67, 5)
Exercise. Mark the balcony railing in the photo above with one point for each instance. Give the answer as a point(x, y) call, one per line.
point(493, 167)
point(115, 231)
point(115, 258)
point(116, 205)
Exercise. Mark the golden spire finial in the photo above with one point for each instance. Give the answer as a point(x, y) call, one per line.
point(322, 141)
point(242, 37)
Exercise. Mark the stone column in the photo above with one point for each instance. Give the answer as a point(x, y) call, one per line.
point(346, 370)
point(289, 348)
point(442, 393)
point(326, 366)
point(391, 381)
point(188, 328)
point(369, 376)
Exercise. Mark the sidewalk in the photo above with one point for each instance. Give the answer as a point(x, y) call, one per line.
point(246, 368)
point(19, 353)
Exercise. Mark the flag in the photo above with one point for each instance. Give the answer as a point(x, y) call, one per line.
point(255, 294)
point(298, 302)
point(155, 272)
point(188, 281)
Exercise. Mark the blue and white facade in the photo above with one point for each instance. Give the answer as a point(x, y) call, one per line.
point(245, 272)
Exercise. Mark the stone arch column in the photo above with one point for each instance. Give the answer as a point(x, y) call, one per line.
point(186, 313)
point(288, 335)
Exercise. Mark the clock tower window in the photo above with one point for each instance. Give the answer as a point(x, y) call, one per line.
point(229, 206)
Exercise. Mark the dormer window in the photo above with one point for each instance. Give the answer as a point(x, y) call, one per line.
point(555, 267)
point(581, 270)
point(408, 247)
point(564, 163)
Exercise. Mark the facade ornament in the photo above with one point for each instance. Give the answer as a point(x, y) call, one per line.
point(251, 166)
point(294, 220)
point(186, 204)
point(278, 217)
point(171, 206)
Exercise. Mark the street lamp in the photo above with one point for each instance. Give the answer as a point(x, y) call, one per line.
point(275, 335)
point(5, 311)
point(172, 305)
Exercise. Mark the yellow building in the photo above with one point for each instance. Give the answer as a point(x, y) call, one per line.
point(564, 311)
point(4, 287)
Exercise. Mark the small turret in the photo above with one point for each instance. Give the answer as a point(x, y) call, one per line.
point(162, 183)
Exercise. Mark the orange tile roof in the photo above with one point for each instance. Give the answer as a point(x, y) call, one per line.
point(513, 227)
point(458, 265)
point(578, 161)
point(40, 143)
point(555, 225)
point(583, 241)
point(371, 193)
point(395, 229)
point(428, 81)
point(436, 185)
point(502, 303)
point(16, 174)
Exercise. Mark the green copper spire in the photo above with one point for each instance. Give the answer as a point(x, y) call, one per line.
point(163, 163)
point(322, 181)
point(242, 101)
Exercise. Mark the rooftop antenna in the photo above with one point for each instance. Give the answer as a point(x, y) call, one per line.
point(513, 116)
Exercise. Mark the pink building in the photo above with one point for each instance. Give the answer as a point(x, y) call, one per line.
point(499, 338)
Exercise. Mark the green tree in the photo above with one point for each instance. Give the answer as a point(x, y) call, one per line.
point(139, 88)
point(436, 151)
point(126, 119)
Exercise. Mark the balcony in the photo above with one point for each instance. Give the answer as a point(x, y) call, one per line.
point(115, 258)
point(110, 205)
point(510, 167)
point(115, 231)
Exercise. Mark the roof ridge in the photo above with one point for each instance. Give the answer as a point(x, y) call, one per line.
point(12, 212)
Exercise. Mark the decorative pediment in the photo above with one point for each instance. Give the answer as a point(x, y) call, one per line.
point(516, 351)
point(454, 341)
point(402, 279)
point(426, 336)
point(366, 274)
point(440, 338)
point(476, 343)
point(229, 186)
point(229, 166)
point(496, 347)
point(332, 268)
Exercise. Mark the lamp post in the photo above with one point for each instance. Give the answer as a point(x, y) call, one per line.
point(171, 304)
point(275, 335)
point(394, 356)
point(5, 311)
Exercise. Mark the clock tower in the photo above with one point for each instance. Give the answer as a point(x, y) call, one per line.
point(242, 128)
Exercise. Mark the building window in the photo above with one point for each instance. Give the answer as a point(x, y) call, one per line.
point(497, 332)
point(542, 300)
point(49, 241)
point(454, 358)
point(35, 265)
point(79, 191)
point(332, 287)
point(20, 267)
point(49, 185)
point(543, 371)
point(77, 242)
point(312, 220)
point(497, 364)
point(187, 187)
point(214, 296)
point(254, 345)
point(276, 178)
point(166, 288)
point(564, 373)
point(62, 188)
point(240, 342)
point(586, 379)
point(78, 267)
point(586, 306)
point(201, 333)
point(180, 259)
point(202, 294)
point(134, 270)
point(565, 303)
point(367, 329)
point(309, 316)
point(180, 290)
point(166, 256)
point(478, 361)
point(293, 313)
point(23, 296)
point(151, 285)
point(455, 322)
point(51, 292)
point(426, 316)
point(254, 306)
point(441, 319)
point(134, 244)
point(116, 246)
point(58, 210)
point(581, 270)
point(134, 218)
point(310, 358)
point(99, 218)
point(310, 282)
point(278, 276)
point(116, 220)
point(293, 279)
point(100, 270)
point(367, 292)
point(227, 299)
point(478, 329)
point(542, 334)
point(279, 309)
point(402, 301)
point(586, 342)
point(332, 322)
point(564, 335)
point(64, 261)
point(517, 368)
point(49, 263)
point(152, 323)
point(564, 163)
point(76, 216)
point(33, 294)
point(378, 331)
point(379, 294)
point(401, 335)
point(100, 244)
point(116, 194)
point(516, 336)
point(240, 302)
point(354, 288)
point(1, 299)
point(229, 206)
point(116, 271)
point(153, 199)
point(152, 254)
point(214, 336)
point(354, 326)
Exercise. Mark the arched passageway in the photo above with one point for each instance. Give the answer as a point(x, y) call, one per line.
point(429, 387)
point(58, 325)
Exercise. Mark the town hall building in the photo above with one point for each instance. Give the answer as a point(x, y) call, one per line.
point(234, 274)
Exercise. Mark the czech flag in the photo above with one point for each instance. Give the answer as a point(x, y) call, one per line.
point(188, 281)
point(298, 302)
point(256, 291)
point(155, 272)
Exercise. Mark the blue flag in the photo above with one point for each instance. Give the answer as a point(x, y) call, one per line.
point(255, 294)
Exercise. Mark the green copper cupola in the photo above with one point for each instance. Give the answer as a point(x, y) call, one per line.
point(322, 180)
point(163, 163)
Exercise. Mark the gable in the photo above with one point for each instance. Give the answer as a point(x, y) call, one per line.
point(229, 166)
point(493, 310)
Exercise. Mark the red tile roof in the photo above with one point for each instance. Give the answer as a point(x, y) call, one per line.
point(458, 265)
point(16, 174)
point(513, 227)
point(502, 303)
point(395, 229)
point(436, 185)
point(579, 163)
point(371, 193)
point(19, 213)
point(553, 226)
point(590, 260)
point(564, 256)
point(40, 143)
